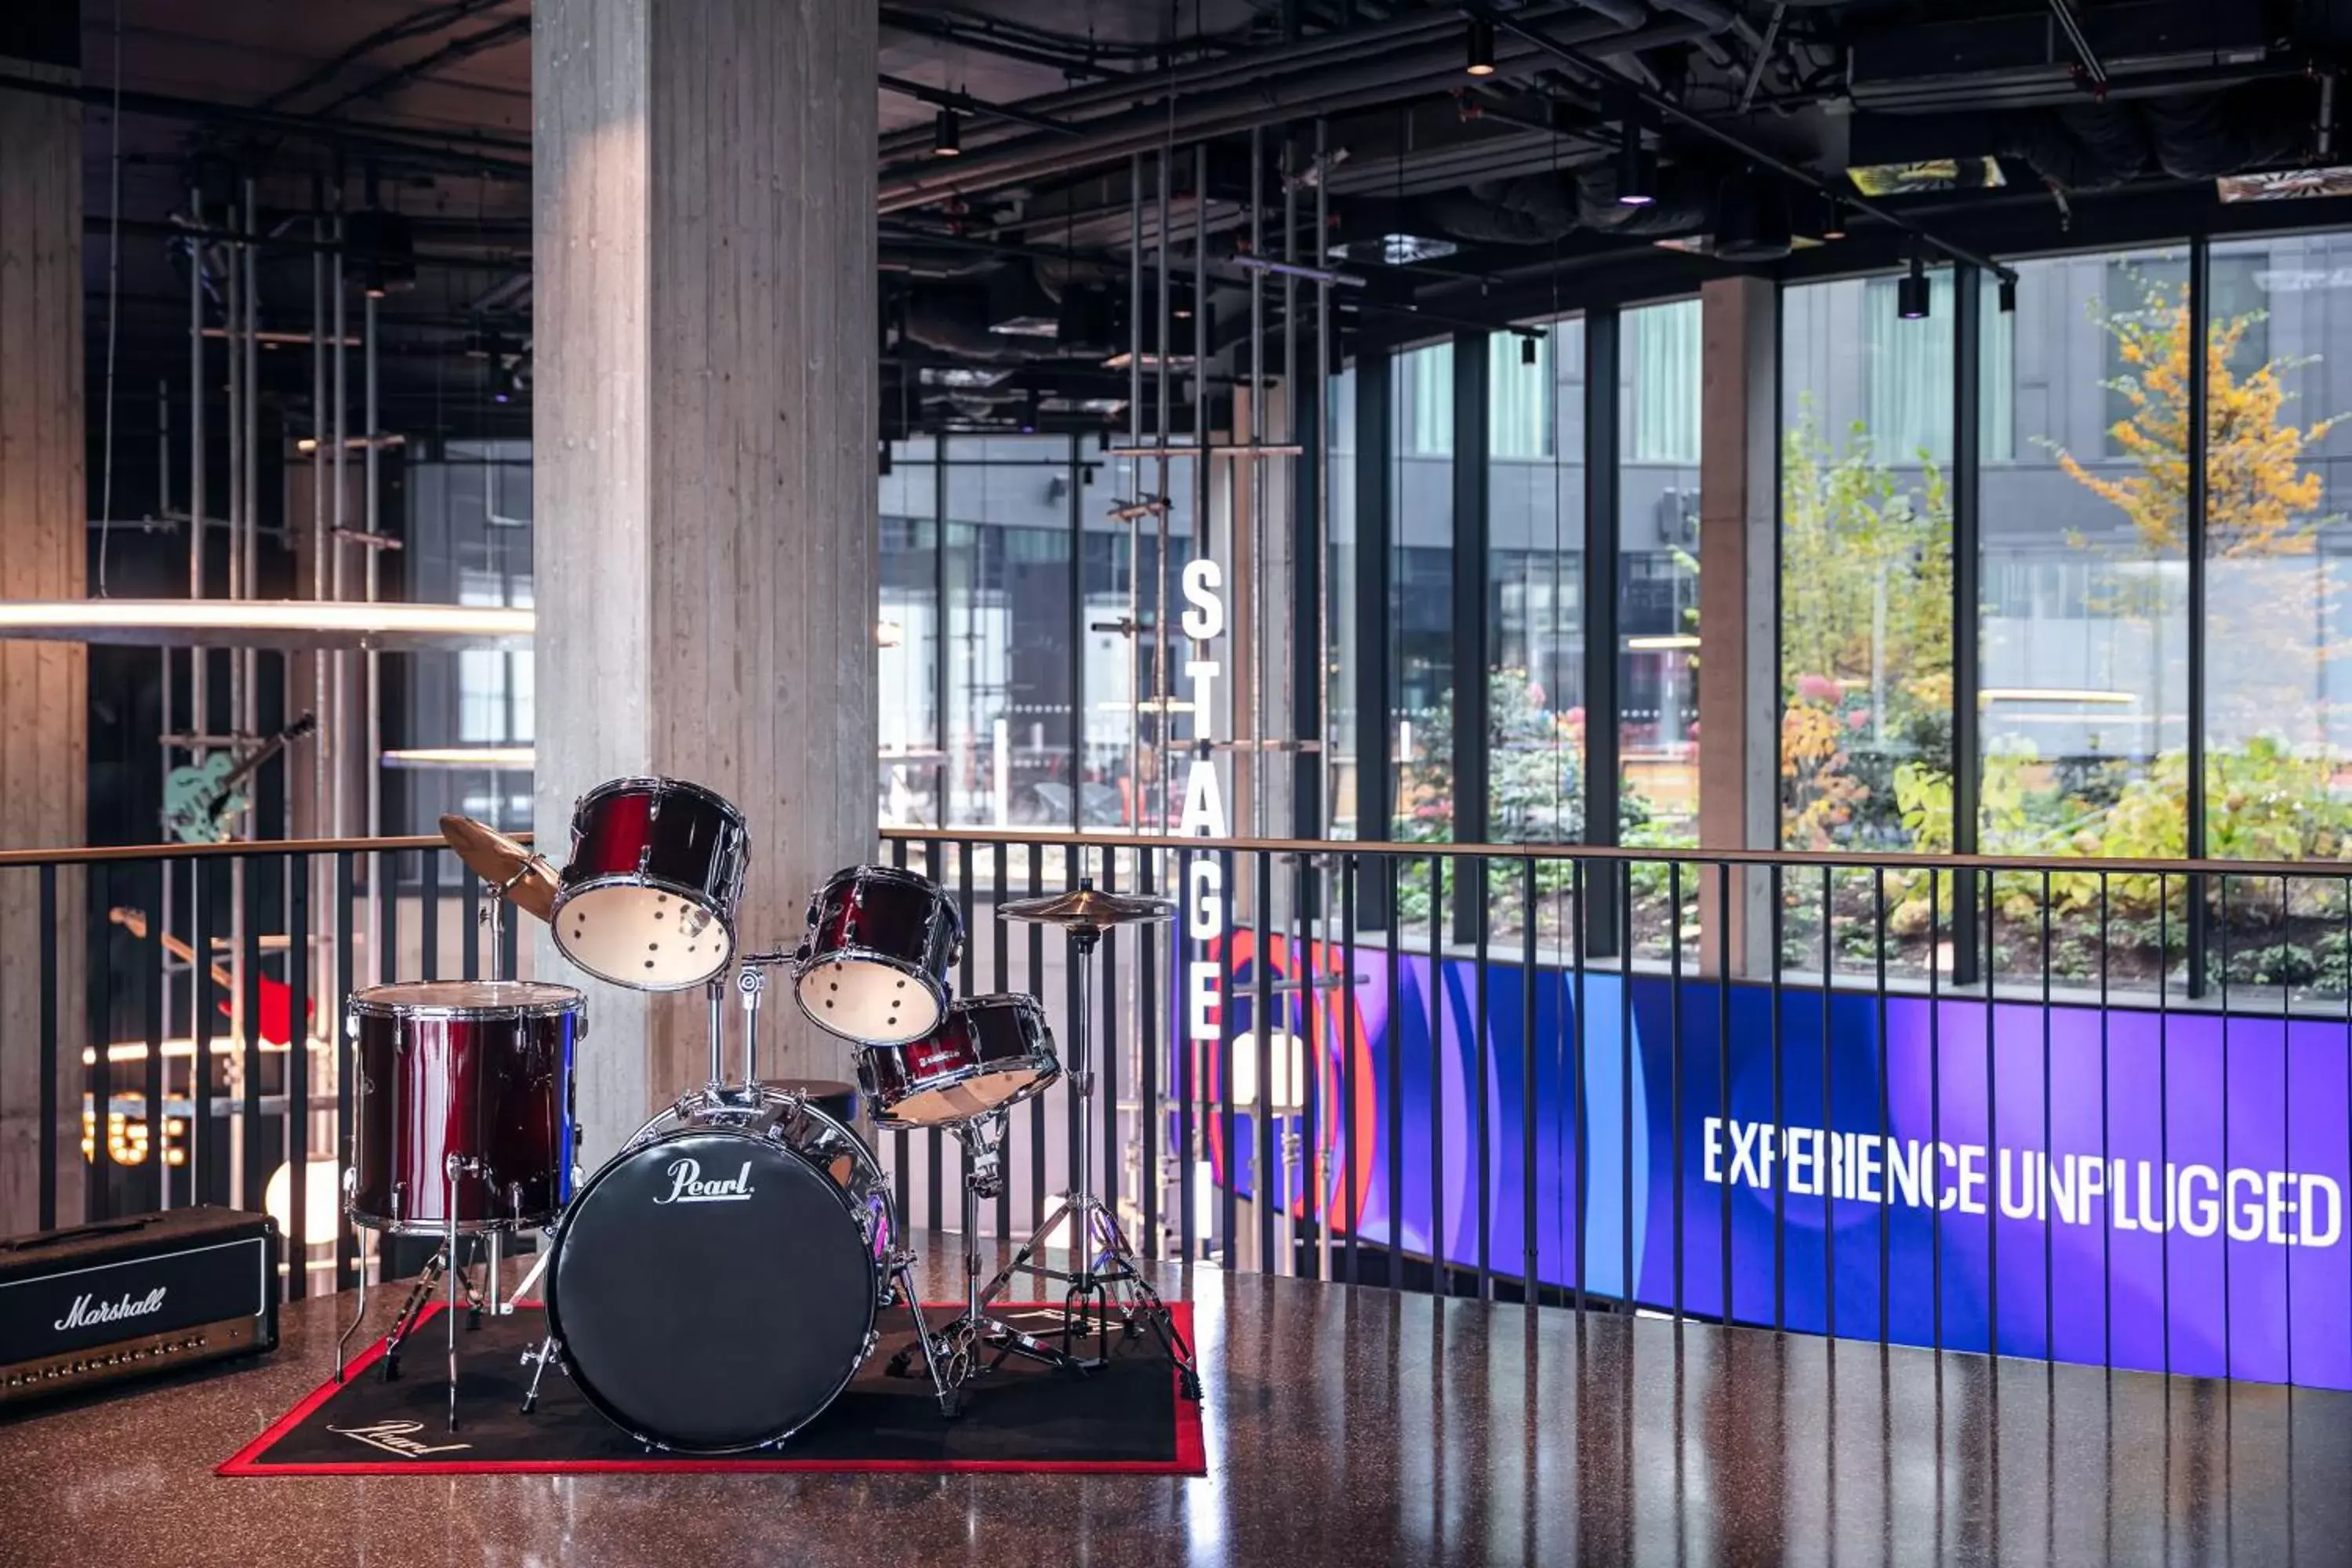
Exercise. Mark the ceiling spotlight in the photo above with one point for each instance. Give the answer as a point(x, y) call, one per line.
point(2008, 296)
point(946, 135)
point(1911, 292)
point(1526, 351)
point(1636, 169)
point(1834, 225)
point(1481, 47)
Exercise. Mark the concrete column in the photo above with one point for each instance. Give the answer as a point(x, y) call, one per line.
point(43, 702)
point(707, 567)
point(1738, 686)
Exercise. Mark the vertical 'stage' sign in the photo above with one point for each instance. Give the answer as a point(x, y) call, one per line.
point(1203, 622)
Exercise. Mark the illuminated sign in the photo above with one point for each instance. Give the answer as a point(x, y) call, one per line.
point(2150, 1190)
point(1203, 622)
point(129, 1134)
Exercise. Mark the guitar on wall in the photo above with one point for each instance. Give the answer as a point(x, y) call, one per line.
point(275, 1023)
point(202, 801)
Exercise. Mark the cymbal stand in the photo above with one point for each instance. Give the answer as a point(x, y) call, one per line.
point(1103, 1276)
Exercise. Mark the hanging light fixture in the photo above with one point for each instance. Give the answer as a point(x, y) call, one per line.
point(2008, 296)
point(946, 135)
point(1526, 351)
point(1637, 168)
point(1834, 225)
point(1481, 47)
point(266, 622)
point(1911, 293)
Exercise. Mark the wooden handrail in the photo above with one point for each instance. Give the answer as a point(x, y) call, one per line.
point(1809, 858)
point(95, 854)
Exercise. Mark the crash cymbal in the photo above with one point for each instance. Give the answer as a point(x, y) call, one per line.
point(528, 882)
point(1088, 908)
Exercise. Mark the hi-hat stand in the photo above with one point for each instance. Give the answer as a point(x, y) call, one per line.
point(1103, 1280)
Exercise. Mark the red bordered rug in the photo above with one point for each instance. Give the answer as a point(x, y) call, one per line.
point(1126, 1419)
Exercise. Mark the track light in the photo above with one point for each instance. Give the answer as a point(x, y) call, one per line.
point(1481, 47)
point(1911, 293)
point(1636, 184)
point(946, 135)
point(2009, 296)
point(1526, 351)
point(1834, 225)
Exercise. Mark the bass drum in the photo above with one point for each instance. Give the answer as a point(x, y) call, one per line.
point(713, 1288)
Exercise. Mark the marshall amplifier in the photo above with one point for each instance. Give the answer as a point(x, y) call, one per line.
point(125, 1298)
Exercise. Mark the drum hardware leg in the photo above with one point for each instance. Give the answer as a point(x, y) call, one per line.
point(946, 1386)
point(538, 1268)
point(450, 1166)
point(350, 1180)
point(405, 1319)
point(751, 980)
point(538, 1360)
point(496, 1268)
point(715, 993)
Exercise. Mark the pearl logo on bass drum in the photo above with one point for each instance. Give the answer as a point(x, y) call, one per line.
point(87, 1309)
point(687, 1185)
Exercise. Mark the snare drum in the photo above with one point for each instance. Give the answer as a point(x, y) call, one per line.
point(648, 897)
point(992, 1052)
point(880, 945)
point(474, 1072)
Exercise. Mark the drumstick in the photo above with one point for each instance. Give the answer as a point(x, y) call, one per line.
point(276, 1024)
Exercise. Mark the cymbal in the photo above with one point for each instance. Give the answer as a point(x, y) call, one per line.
point(500, 861)
point(1089, 908)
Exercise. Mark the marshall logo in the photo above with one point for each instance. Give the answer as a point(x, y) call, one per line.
point(398, 1437)
point(687, 1185)
point(88, 1310)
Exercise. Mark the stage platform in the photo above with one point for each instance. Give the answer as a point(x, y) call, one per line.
point(1344, 1425)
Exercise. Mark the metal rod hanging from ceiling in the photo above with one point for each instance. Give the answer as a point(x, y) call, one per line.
point(1256, 477)
point(1134, 517)
point(250, 573)
point(1162, 349)
point(1563, 51)
point(200, 717)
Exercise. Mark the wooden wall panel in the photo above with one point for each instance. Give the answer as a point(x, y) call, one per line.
point(43, 688)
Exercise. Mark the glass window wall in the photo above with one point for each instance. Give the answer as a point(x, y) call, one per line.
point(2278, 733)
point(1867, 567)
point(1657, 575)
point(2083, 628)
point(1421, 597)
point(1535, 577)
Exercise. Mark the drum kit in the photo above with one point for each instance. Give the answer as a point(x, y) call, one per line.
point(744, 1205)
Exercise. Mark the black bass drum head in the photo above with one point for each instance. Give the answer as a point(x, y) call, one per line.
point(711, 1291)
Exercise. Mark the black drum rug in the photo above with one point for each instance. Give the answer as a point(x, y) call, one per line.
point(1123, 1419)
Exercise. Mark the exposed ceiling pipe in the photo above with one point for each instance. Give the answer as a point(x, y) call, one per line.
point(1311, 93)
point(1564, 49)
point(422, 24)
point(1321, 51)
point(418, 147)
point(964, 103)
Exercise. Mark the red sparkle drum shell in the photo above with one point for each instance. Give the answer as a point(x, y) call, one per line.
point(648, 896)
point(990, 1053)
point(881, 943)
point(476, 1069)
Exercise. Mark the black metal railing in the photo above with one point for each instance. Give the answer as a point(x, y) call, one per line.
point(1970, 1102)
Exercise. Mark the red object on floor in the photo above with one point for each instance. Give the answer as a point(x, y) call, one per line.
point(1189, 1457)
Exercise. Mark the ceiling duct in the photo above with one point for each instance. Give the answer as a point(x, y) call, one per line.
point(1751, 218)
point(1974, 63)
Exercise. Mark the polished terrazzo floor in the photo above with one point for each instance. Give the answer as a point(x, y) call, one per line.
point(1345, 1426)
